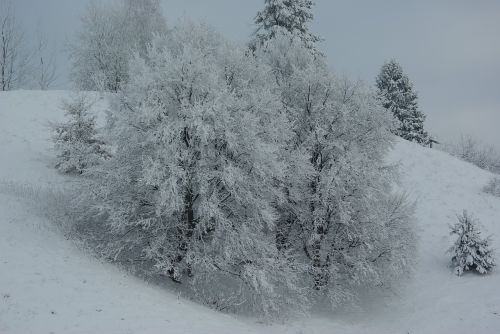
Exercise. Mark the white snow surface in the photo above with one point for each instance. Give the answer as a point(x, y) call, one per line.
point(49, 285)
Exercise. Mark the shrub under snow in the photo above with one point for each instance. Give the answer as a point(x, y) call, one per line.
point(470, 251)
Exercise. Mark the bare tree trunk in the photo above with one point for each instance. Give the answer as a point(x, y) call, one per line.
point(13, 61)
point(45, 74)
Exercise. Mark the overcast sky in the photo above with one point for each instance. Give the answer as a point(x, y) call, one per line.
point(450, 49)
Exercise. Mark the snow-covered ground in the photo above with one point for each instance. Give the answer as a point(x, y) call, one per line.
point(49, 285)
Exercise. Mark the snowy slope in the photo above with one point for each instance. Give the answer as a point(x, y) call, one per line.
point(48, 285)
point(437, 301)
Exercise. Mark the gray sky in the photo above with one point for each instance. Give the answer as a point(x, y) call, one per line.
point(450, 49)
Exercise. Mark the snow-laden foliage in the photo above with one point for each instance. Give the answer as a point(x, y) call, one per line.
point(493, 187)
point(255, 178)
point(76, 141)
point(199, 136)
point(340, 216)
point(470, 251)
point(395, 92)
point(110, 34)
point(285, 17)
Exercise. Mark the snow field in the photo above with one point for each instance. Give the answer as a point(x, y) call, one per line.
point(48, 285)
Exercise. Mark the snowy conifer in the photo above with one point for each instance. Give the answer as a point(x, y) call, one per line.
point(395, 92)
point(199, 135)
point(470, 251)
point(289, 17)
point(75, 141)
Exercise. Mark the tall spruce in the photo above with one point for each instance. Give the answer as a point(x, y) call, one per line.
point(289, 17)
point(395, 92)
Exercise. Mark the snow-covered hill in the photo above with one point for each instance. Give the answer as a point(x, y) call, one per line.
point(48, 285)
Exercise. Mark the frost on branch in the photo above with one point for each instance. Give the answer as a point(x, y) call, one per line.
point(191, 188)
point(470, 251)
point(256, 179)
point(111, 33)
point(339, 217)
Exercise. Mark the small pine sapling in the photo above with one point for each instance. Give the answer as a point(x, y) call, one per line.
point(470, 251)
point(75, 141)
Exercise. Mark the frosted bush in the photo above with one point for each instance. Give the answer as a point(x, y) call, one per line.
point(470, 251)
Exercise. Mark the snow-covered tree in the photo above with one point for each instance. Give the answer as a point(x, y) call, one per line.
point(395, 92)
point(99, 54)
point(289, 17)
point(110, 34)
point(191, 186)
point(470, 251)
point(76, 142)
point(340, 216)
point(144, 20)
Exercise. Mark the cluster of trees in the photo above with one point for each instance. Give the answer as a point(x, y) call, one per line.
point(113, 33)
point(22, 65)
point(252, 175)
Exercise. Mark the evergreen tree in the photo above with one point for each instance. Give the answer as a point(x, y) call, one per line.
point(470, 251)
point(395, 92)
point(289, 17)
point(76, 140)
